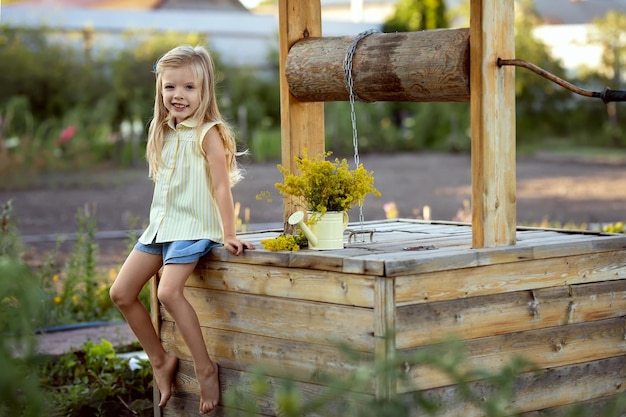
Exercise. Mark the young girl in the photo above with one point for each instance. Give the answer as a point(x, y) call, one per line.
point(191, 156)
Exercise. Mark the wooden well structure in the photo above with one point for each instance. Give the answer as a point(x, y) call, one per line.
point(557, 298)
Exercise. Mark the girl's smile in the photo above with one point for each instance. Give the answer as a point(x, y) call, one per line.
point(181, 92)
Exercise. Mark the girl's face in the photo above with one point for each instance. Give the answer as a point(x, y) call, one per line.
point(181, 92)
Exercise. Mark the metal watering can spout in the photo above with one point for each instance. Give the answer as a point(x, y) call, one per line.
point(297, 218)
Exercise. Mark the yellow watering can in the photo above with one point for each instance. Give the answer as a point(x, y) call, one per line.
point(326, 231)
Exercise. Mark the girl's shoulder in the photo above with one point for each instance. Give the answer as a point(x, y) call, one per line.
point(205, 127)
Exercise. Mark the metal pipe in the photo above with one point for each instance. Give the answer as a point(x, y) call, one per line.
point(607, 95)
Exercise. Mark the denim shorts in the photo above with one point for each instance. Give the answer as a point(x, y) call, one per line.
point(180, 251)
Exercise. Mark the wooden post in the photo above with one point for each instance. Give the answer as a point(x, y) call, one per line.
point(385, 337)
point(302, 124)
point(492, 98)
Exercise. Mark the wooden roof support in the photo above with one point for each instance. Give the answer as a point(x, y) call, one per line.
point(492, 98)
point(302, 124)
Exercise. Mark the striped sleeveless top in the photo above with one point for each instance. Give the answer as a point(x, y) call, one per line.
point(183, 206)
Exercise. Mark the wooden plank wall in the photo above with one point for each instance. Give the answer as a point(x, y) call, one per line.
point(565, 314)
point(558, 299)
point(291, 320)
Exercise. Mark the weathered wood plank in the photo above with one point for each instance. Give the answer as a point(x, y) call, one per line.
point(510, 277)
point(541, 390)
point(298, 283)
point(283, 358)
point(303, 321)
point(384, 330)
point(595, 407)
point(186, 388)
point(470, 318)
point(492, 106)
point(302, 124)
point(456, 253)
point(424, 66)
point(545, 348)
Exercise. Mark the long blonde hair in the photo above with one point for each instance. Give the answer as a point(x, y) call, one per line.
point(201, 64)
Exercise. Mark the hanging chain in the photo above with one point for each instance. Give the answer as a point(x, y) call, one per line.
point(347, 71)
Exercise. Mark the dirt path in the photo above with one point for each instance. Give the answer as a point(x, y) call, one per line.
point(560, 189)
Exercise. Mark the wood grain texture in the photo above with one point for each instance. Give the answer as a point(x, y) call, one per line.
point(295, 283)
point(186, 393)
point(297, 320)
point(554, 388)
point(510, 277)
point(476, 317)
point(492, 123)
point(302, 124)
point(283, 358)
point(545, 348)
point(424, 66)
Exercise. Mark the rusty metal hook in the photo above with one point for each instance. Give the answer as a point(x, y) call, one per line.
point(607, 95)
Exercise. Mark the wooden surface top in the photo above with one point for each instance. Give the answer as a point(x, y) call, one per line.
point(406, 246)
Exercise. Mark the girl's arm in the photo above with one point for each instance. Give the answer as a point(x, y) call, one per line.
point(215, 154)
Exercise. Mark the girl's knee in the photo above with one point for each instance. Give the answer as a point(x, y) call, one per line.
point(168, 296)
point(120, 297)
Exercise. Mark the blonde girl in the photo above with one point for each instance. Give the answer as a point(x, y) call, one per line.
point(191, 155)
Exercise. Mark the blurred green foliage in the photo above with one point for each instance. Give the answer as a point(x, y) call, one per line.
point(94, 381)
point(67, 105)
point(415, 15)
point(20, 309)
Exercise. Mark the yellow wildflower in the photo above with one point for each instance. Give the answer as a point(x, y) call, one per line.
point(57, 300)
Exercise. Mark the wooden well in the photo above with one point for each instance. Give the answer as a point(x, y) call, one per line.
point(556, 298)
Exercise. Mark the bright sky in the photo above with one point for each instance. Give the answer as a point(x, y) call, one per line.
point(249, 3)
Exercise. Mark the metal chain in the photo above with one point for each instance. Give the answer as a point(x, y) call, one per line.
point(347, 71)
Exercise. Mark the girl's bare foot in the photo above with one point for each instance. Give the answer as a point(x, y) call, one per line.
point(164, 376)
point(209, 389)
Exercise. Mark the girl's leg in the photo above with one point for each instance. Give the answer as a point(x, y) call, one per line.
point(171, 295)
point(138, 268)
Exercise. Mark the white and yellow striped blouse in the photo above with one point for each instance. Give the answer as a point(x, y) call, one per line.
point(183, 206)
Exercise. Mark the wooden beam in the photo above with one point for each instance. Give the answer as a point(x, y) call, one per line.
point(302, 124)
point(492, 98)
point(424, 66)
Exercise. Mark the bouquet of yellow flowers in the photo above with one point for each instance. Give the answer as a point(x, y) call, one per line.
point(327, 185)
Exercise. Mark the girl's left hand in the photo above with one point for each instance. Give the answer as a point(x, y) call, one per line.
point(236, 246)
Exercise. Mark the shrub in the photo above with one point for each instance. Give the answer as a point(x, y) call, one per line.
point(20, 307)
point(93, 381)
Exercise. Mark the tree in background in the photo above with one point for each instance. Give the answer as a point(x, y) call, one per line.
point(539, 102)
point(416, 15)
point(610, 34)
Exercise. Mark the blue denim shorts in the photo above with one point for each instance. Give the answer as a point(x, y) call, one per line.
point(180, 251)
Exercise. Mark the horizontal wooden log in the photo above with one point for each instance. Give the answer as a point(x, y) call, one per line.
point(490, 315)
point(425, 66)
